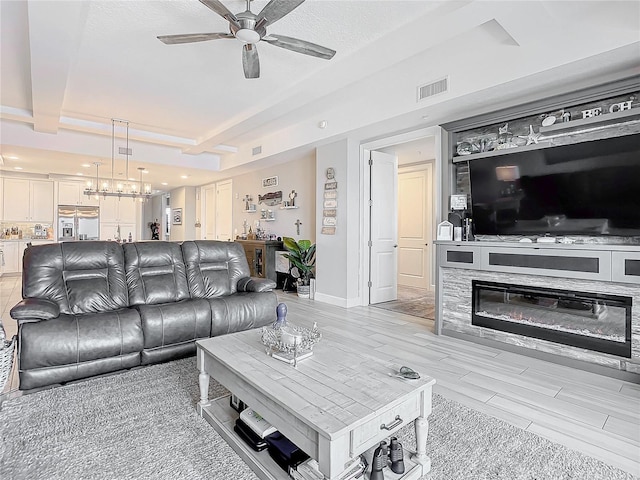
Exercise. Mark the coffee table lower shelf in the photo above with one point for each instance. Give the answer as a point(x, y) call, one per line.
point(222, 418)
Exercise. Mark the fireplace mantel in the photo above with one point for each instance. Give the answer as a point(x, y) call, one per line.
point(591, 268)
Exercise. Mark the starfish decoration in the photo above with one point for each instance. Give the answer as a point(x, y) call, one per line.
point(533, 137)
point(504, 130)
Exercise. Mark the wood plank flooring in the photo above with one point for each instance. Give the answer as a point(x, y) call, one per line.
point(596, 415)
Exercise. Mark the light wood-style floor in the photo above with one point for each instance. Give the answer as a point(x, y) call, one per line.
point(596, 415)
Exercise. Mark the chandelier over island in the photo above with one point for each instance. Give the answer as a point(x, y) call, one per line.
point(124, 188)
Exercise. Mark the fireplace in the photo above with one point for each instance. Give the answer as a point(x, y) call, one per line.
point(587, 320)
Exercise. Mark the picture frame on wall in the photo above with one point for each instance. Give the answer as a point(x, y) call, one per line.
point(176, 216)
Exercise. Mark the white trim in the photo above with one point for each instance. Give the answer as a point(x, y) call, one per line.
point(435, 132)
point(337, 301)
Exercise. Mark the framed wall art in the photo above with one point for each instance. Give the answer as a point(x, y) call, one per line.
point(176, 216)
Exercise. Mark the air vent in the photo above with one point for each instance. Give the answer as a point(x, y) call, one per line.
point(433, 88)
point(124, 151)
point(257, 150)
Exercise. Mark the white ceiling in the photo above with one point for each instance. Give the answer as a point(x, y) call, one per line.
point(68, 67)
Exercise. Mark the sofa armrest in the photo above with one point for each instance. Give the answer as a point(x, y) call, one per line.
point(34, 310)
point(253, 284)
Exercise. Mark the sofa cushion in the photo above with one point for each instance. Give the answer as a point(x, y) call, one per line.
point(81, 277)
point(173, 323)
point(214, 267)
point(242, 311)
point(73, 343)
point(155, 273)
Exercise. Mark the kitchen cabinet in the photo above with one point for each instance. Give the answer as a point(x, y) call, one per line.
point(28, 200)
point(118, 210)
point(13, 253)
point(261, 255)
point(10, 250)
point(72, 193)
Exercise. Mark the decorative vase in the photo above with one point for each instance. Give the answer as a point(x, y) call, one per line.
point(303, 290)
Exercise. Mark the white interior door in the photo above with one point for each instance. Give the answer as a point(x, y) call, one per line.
point(414, 227)
point(383, 258)
point(209, 209)
point(224, 212)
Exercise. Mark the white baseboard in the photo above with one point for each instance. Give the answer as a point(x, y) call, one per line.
point(337, 301)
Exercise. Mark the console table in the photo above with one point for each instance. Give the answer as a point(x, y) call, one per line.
point(261, 255)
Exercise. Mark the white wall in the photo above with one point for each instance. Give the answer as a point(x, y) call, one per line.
point(298, 175)
point(338, 256)
point(153, 209)
point(184, 198)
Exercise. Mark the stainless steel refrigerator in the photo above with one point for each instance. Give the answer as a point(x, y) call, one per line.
point(78, 223)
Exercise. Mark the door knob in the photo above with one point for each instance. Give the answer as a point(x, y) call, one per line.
point(395, 246)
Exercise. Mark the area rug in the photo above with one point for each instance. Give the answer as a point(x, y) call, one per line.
point(142, 424)
point(417, 302)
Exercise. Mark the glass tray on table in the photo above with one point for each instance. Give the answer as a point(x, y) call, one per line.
point(290, 343)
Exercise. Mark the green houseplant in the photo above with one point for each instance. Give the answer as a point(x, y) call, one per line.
point(302, 255)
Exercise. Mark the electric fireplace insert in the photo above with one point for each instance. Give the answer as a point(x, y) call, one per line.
point(586, 320)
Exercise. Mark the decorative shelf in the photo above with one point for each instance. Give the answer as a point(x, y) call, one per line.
point(250, 211)
point(288, 208)
point(267, 219)
point(497, 153)
point(606, 119)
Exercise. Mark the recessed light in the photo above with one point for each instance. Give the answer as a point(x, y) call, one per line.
point(12, 157)
point(85, 165)
point(145, 171)
point(131, 179)
point(17, 168)
point(164, 183)
point(80, 174)
point(184, 176)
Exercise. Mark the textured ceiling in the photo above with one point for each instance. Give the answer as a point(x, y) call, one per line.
point(68, 67)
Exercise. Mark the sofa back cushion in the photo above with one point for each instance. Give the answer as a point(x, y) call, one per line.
point(81, 277)
point(214, 267)
point(155, 273)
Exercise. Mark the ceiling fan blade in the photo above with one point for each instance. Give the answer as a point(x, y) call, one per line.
point(221, 10)
point(250, 61)
point(276, 9)
point(192, 37)
point(300, 46)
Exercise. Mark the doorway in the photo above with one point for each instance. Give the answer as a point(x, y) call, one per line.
point(217, 211)
point(416, 204)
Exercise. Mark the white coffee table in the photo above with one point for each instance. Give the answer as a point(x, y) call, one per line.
point(334, 406)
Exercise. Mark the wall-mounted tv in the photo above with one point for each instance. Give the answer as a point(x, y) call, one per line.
point(589, 188)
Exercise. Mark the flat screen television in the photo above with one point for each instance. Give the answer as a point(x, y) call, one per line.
point(589, 188)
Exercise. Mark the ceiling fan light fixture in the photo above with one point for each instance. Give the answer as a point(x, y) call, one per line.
point(246, 35)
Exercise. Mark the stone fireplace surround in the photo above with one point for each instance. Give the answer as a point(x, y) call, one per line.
point(596, 269)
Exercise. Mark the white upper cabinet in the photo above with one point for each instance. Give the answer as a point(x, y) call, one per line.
point(28, 200)
point(119, 210)
point(72, 193)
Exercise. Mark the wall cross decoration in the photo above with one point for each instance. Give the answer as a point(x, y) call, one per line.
point(297, 224)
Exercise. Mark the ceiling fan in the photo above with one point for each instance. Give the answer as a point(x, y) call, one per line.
point(250, 29)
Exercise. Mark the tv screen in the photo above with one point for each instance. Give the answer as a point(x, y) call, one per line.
point(588, 188)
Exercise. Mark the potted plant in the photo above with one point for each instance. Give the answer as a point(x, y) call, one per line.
point(302, 255)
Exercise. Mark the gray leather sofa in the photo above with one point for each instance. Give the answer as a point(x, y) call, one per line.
point(91, 308)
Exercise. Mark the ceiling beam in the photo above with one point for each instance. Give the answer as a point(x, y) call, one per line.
point(55, 29)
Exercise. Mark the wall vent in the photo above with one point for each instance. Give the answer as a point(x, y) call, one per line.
point(125, 151)
point(256, 150)
point(433, 88)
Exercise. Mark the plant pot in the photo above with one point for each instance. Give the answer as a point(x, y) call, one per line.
point(303, 290)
